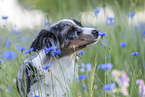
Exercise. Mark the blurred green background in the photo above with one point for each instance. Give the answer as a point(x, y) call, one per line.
point(107, 50)
point(58, 9)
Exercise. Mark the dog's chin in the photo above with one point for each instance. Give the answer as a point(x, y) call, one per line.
point(88, 44)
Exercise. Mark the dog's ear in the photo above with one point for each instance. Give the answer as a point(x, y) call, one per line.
point(41, 40)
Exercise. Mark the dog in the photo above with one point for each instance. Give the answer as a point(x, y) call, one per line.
point(67, 36)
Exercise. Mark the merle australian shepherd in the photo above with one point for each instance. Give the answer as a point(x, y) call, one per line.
point(69, 36)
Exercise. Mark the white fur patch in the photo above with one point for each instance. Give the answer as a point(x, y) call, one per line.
point(58, 80)
point(88, 30)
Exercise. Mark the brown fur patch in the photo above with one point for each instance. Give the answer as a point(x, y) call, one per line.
point(77, 43)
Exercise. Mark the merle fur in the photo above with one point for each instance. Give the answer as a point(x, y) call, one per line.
point(59, 35)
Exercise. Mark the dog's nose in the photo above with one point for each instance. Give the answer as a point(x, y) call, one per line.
point(95, 33)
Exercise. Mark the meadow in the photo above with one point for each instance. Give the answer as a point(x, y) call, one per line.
point(115, 71)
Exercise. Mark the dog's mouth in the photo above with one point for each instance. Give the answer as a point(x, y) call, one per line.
point(88, 44)
point(80, 44)
point(77, 45)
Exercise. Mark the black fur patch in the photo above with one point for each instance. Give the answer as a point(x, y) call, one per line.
point(43, 39)
point(77, 22)
point(27, 76)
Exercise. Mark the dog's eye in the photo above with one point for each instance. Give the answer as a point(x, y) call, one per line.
point(78, 33)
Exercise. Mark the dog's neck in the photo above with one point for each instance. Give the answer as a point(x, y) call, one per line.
point(42, 59)
point(61, 71)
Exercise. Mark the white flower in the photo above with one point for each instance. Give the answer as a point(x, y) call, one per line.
point(116, 74)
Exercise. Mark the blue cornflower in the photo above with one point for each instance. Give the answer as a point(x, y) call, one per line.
point(1, 61)
point(81, 52)
point(106, 66)
point(143, 32)
point(83, 67)
point(9, 42)
point(8, 89)
point(45, 67)
point(36, 96)
point(110, 20)
point(88, 67)
point(47, 50)
point(109, 86)
point(135, 53)
point(96, 11)
point(84, 87)
point(82, 70)
point(9, 55)
point(131, 15)
point(56, 52)
point(4, 17)
point(29, 51)
point(123, 44)
point(102, 34)
point(82, 77)
point(22, 48)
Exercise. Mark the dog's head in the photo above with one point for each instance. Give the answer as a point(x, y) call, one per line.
point(69, 36)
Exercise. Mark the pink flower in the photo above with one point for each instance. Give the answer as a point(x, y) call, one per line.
point(141, 87)
point(123, 82)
